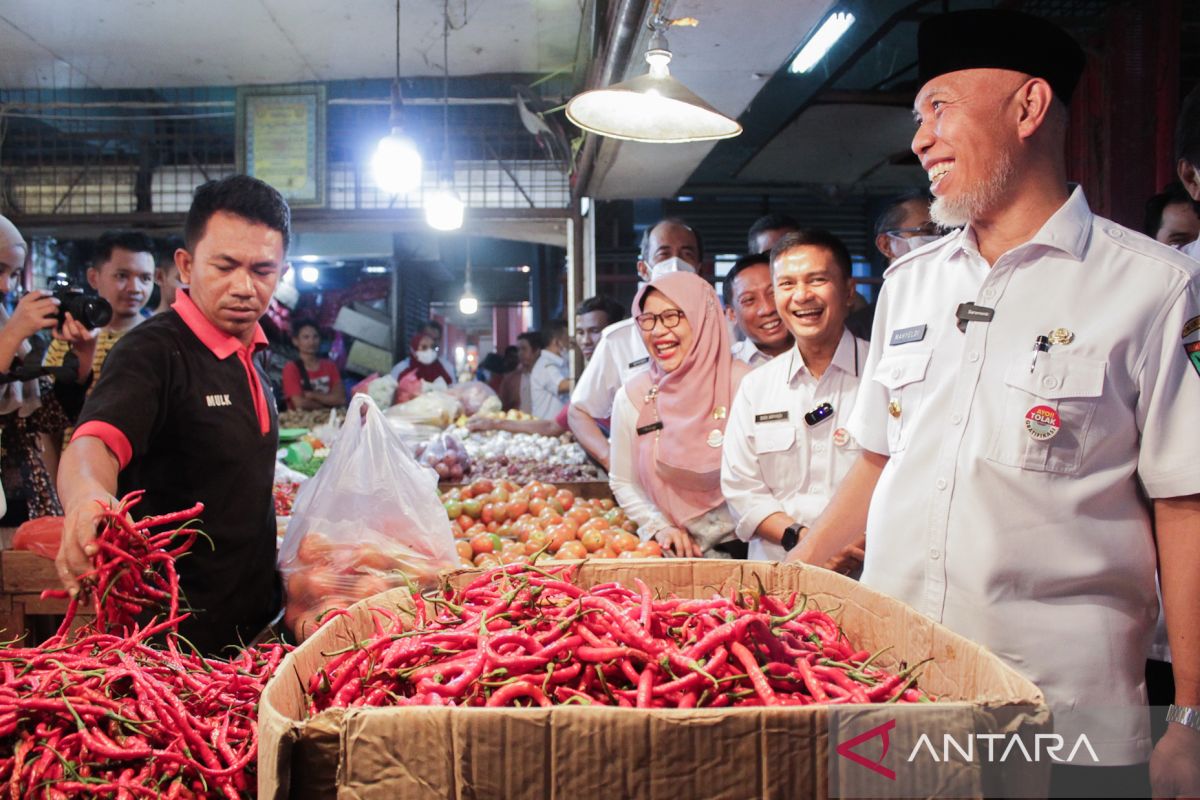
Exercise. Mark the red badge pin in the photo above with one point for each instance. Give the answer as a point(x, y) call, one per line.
point(841, 437)
point(1042, 422)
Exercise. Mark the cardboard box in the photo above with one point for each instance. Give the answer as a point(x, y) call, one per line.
point(367, 358)
point(367, 324)
point(579, 752)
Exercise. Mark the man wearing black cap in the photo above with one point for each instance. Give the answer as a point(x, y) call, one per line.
point(1022, 400)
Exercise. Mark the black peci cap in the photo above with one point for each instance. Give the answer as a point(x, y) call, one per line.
point(994, 38)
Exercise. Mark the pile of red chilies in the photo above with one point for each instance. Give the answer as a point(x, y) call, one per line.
point(520, 635)
point(100, 712)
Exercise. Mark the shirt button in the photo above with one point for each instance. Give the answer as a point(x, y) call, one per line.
point(940, 483)
point(956, 419)
point(895, 373)
point(934, 554)
point(1115, 232)
point(972, 356)
point(988, 294)
point(814, 489)
point(1050, 382)
point(818, 448)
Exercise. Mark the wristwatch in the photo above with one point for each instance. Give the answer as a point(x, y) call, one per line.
point(1187, 716)
point(791, 536)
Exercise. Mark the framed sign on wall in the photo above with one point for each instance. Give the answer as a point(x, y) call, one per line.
point(281, 139)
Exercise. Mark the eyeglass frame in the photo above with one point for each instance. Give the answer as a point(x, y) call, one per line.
point(928, 229)
point(654, 319)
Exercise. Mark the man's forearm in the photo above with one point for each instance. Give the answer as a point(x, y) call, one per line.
point(588, 433)
point(773, 527)
point(87, 469)
point(1176, 528)
point(845, 518)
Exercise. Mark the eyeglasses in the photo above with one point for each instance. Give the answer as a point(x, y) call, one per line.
point(928, 229)
point(670, 319)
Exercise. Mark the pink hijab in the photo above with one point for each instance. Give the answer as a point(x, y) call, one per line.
point(679, 465)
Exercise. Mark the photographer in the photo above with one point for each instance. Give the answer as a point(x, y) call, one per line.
point(122, 273)
point(31, 420)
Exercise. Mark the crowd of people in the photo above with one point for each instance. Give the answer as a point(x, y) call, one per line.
point(1003, 440)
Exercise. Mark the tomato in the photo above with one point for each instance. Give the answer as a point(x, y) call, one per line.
point(453, 509)
point(630, 525)
point(593, 524)
point(580, 515)
point(465, 522)
point(452, 494)
point(514, 558)
point(485, 543)
point(566, 498)
point(464, 549)
point(537, 540)
point(486, 561)
point(650, 549)
point(560, 535)
point(629, 554)
point(326, 583)
point(472, 508)
point(493, 526)
point(605, 552)
point(369, 556)
point(593, 540)
point(607, 503)
point(370, 585)
point(500, 511)
point(505, 531)
point(299, 588)
point(481, 486)
point(551, 517)
point(518, 504)
point(315, 548)
point(624, 541)
point(501, 495)
point(536, 506)
point(572, 550)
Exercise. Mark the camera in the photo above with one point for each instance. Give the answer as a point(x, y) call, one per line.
point(89, 310)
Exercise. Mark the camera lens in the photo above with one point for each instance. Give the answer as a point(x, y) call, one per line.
point(91, 312)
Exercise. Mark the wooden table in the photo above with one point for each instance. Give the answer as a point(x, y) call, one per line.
point(23, 576)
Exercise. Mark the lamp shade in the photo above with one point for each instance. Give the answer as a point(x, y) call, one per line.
point(654, 108)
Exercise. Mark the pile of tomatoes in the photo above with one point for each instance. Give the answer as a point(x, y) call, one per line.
point(499, 522)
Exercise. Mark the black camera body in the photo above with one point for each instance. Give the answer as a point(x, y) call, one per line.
point(89, 310)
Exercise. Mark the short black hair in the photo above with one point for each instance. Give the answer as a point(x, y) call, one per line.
point(644, 250)
point(815, 237)
point(432, 324)
point(893, 212)
point(300, 324)
point(769, 222)
point(533, 339)
point(555, 329)
point(743, 263)
point(1170, 195)
point(242, 196)
point(133, 241)
point(602, 302)
point(165, 258)
point(1187, 129)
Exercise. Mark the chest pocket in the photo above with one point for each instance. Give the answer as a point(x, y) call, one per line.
point(773, 438)
point(1071, 386)
point(903, 375)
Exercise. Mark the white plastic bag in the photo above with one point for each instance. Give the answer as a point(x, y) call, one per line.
point(370, 520)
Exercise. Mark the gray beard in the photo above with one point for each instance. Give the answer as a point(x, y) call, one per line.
point(976, 200)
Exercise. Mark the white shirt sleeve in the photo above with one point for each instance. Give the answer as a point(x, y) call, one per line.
point(599, 382)
point(750, 500)
point(868, 421)
point(622, 472)
point(1169, 394)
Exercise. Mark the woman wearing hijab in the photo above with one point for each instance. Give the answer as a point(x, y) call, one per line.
point(668, 423)
point(424, 362)
point(31, 419)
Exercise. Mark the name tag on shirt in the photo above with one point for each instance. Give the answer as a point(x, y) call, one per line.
point(639, 362)
point(908, 335)
point(651, 428)
point(774, 416)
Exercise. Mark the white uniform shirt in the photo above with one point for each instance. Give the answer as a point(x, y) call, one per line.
point(619, 354)
point(1191, 249)
point(773, 461)
point(1038, 548)
point(748, 351)
point(548, 372)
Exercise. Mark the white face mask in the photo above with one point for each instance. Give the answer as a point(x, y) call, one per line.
point(426, 356)
point(902, 244)
point(666, 266)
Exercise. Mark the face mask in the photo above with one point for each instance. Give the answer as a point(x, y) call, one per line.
point(426, 356)
point(902, 245)
point(668, 266)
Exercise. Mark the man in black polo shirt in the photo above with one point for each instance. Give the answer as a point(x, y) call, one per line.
point(183, 411)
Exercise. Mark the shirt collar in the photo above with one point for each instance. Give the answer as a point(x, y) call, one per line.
point(1067, 230)
point(554, 357)
point(222, 344)
point(843, 357)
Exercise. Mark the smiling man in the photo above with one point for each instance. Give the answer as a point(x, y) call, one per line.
point(183, 411)
point(786, 445)
point(1028, 429)
point(749, 298)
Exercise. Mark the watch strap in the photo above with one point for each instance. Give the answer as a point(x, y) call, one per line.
point(1188, 716)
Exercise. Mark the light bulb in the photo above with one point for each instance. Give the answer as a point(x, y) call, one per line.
point(444, 209)
point(310, 274)
point(396, 164)
point(467, 304)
